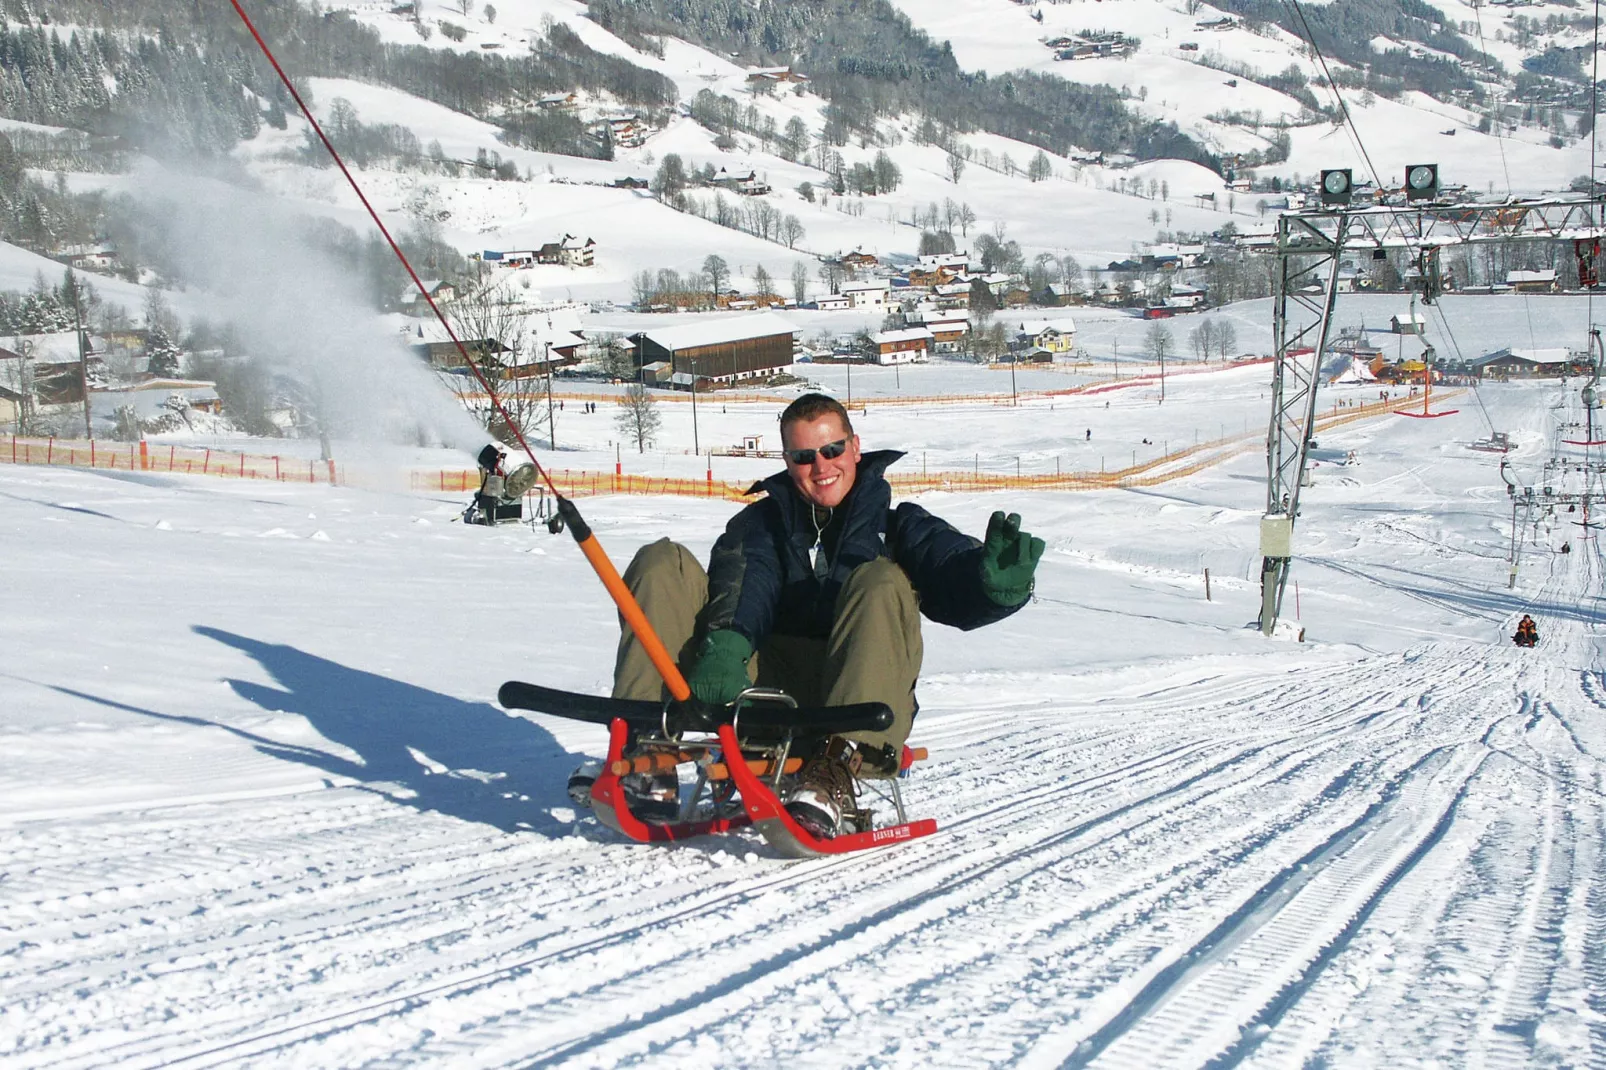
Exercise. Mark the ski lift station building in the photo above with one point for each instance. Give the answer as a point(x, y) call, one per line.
point(1525, 364)
point(724, 350)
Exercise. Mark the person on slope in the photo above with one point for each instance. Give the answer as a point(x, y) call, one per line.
point(825, 582)
point(1527, 632)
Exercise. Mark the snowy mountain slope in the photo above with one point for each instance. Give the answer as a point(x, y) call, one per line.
point(1167, 83)
point(259, 809)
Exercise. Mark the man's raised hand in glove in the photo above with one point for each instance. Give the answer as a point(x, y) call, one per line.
point(1008, 560)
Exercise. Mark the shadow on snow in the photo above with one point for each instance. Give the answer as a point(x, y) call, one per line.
point(416, 747)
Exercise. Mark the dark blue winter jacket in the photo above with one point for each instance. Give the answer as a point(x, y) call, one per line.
point(761, 580)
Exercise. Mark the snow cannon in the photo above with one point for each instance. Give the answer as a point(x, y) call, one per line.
point(500, 499)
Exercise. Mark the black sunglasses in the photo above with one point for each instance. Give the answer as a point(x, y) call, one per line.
point(830, 451)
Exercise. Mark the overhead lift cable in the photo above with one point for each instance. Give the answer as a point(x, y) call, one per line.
point(570, 514)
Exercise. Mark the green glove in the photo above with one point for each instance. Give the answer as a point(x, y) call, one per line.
point(721, 671)
point(1008, 559)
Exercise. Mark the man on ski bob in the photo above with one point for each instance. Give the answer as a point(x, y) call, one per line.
point(1527, 632)
point(818, 589)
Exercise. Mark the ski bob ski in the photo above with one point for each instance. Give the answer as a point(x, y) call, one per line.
point(738, 767)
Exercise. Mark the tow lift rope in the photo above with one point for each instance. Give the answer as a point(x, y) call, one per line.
point(629, 609)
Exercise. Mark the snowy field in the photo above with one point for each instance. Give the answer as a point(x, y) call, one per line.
point(259, 808)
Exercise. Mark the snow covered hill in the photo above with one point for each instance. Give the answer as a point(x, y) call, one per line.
point(259, 808)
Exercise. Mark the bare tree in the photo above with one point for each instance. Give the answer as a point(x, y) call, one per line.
point(492, 328)
point(1202, 339)
point(1157, 341)
point(1226, 338)
point(800, 281)
point(956, 164)
point(1040, 167)
point(717, 272)
point(465, 6)
point(966, 219)
point(638, 416)
point(16, 376)
point(763, 285)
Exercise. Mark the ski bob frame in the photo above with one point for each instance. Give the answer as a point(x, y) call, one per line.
point(739, 764)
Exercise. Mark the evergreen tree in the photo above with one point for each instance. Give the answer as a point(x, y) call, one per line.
point(163, 355)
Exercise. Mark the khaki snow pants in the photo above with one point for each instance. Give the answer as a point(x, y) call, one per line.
point(872, 655)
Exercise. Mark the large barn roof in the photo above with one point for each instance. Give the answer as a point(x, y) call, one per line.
point(714, 332)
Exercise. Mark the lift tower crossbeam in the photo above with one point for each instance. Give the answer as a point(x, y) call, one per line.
point(1309, 248)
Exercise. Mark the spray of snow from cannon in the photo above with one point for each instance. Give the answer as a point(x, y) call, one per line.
point(302, 312)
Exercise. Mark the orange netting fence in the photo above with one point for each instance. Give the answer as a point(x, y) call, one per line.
point(148, 457)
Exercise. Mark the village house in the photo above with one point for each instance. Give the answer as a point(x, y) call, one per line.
point(723, 350)
point(627, 131)
point(871, 295)
point(439, 291)
point(1054, 336)
point(955, 262)
point(774, 76)
point(858, 260)
point(747, 184)
point(948, 327)
point(925, 279)
point(953, 295)
point(576, 253)
point(1057, 294)
point(445, 356)
point(1408, 323)
point(1187, 298)
point(833, 303)
point(101, 258)
point(556, 100)
point(907, 346)
point(1542, 281)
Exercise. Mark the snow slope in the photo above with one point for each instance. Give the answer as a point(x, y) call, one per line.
point(259, 809)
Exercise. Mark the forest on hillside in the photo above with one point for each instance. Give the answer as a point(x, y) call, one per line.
point(870, 63)
point(177, 68)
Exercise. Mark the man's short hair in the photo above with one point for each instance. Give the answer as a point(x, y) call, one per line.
point(811, 407)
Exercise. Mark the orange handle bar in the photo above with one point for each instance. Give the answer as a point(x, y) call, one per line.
point(635, 619)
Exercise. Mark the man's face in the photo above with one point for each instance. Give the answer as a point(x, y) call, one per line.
point(824, 481)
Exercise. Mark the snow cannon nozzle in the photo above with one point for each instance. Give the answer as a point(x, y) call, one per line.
point(491, 458)
point(500, 499)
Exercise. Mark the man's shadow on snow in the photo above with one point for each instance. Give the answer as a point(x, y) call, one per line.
point(420, 748)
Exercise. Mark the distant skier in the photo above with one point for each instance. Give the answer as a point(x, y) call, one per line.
point(825, 581)
point(1527, 632)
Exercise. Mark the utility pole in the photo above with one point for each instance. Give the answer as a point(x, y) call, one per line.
point(696, 445)
point(551, 420)
point(83, 349)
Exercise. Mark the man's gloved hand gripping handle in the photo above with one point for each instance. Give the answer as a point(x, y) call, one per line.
point(1008, 560)
point(721, 670)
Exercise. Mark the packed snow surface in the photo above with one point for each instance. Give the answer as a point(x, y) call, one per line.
point(259, 807)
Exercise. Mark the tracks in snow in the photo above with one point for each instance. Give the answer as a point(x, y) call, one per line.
point(1199, 874)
